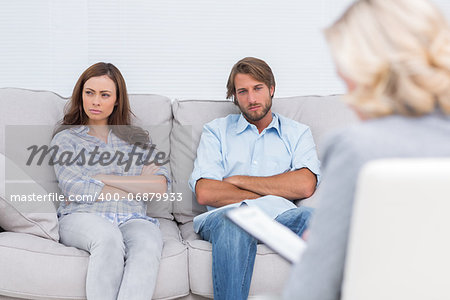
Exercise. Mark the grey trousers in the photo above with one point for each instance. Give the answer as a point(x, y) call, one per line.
point(124, 259)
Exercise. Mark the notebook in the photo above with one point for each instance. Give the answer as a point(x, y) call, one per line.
point(274, 235)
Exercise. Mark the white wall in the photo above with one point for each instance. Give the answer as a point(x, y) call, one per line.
point(177, 48)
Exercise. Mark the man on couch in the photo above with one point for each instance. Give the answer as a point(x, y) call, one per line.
point(254, 158)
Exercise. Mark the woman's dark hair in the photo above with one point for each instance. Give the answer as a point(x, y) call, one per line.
point(121, 114)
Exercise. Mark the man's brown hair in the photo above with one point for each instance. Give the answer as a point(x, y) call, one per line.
point(256, 68)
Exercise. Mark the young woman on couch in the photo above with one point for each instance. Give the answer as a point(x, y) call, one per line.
point(101, 213)
point(394, 57)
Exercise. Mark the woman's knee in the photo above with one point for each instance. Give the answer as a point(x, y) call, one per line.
point(92, 233)
point(142, 236)
point(152, 242)
point(110, 240)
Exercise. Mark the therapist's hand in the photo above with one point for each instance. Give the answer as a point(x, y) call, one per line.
point(305, 235)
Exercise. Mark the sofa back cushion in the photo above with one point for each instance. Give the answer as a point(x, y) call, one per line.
point(189, 118)
point(154, 113)
point(27, 107)
point(18, 212)
point(28, 118)
point(38, 111)
point(321, 113)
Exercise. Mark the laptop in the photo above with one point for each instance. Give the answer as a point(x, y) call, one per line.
point(274, 235)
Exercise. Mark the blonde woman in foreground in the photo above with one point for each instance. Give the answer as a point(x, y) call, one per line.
point(394, 56)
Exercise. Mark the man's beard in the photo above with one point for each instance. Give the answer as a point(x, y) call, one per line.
point(254, 116)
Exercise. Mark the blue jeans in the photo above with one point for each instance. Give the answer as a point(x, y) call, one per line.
point(124, 259)
point(234, 250)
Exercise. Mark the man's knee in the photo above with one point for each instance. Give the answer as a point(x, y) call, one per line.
point(305, 211)
point(301, 212)
point(223, 225)
point(223, 229)
point(218, 220)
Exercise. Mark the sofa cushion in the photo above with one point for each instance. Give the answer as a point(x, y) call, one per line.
point(189, 118)
point(27, 107)
point(188, 233)
point(32, 118)
point(32, 217)
point(173, 276)
point(37, 268)
point(322, 114)
point(267, 264)
point(25, 119)
point(154, 114)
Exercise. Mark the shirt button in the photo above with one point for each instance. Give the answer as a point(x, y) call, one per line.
point(255, 162)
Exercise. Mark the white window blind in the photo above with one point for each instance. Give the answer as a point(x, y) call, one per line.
point(177, 48)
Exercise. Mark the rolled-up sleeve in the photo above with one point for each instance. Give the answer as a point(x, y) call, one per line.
point(209, 162)
point(305, 154)
point(72, 180)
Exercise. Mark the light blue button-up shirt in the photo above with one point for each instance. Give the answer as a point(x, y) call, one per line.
point(232, 146)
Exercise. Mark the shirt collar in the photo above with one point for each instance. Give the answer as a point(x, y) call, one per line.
point(83, 129)
point(242, 124)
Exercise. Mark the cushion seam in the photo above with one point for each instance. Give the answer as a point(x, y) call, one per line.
point(209, 251)
point(39, 295)
point(53, 254)
point(69, 255)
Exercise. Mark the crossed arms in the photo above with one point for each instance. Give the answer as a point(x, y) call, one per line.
point(291, 185)
point(147, 182)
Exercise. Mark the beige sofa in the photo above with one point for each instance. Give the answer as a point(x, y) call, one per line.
point(35, 267)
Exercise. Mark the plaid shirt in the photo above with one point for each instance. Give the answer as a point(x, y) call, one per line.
point(78, 185)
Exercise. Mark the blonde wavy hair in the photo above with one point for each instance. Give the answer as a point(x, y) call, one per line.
point(397, 52)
